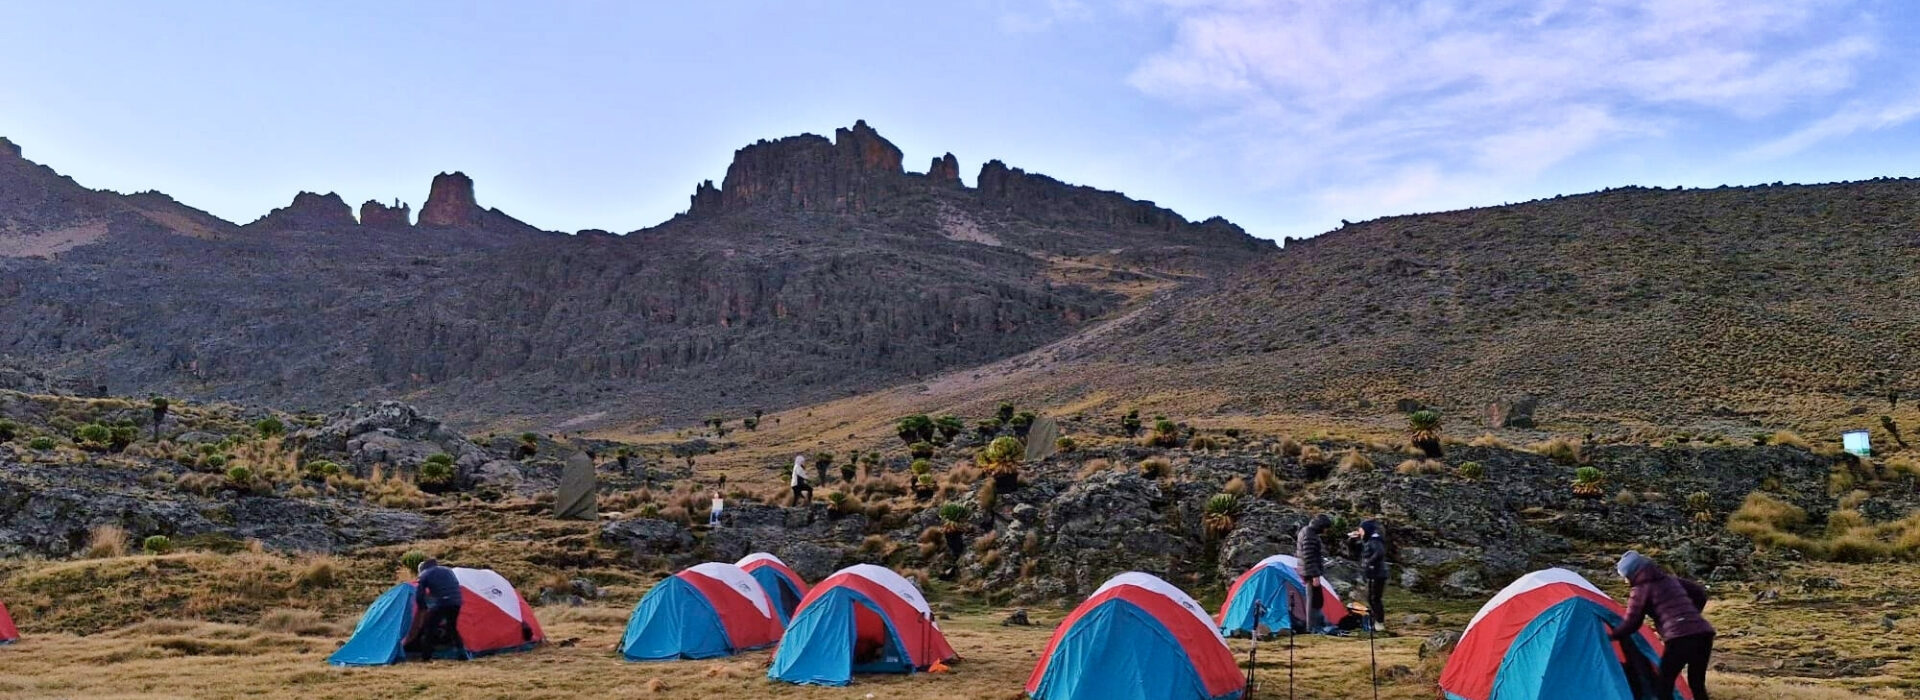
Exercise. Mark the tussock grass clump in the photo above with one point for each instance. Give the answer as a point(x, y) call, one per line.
point(1203, 443)
point(106, 542)
point(297, 621)
point(1094, 466)
point(1355, 462)
point(1788, 438)
point(1289, 447)
point(1904, 465)
point(1489, 440)
point(1560, 449)
point(1415, 467)
point(1313, 456)
point(319, 572)
point(1236, 486)
point(157, 544)
point(1266, 484)
point(1156, 468)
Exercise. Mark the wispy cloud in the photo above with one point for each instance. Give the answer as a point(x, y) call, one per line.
point(1855, 117)
point(1042, 15)
point(1432, 103)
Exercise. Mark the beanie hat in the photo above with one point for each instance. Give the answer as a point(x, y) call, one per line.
point(1632, 562)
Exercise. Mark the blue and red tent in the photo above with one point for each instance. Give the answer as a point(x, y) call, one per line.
point(1137, 638)
point(785, 587)
point(1545, 636)
point(493, 619)
point(1275, 586)
point(709, 610)
point(8, 633)
point(862, 619)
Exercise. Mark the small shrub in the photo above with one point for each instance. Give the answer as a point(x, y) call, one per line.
point(8, 430)
point(239, 476)
point(1588, 481)
point(320, 469)
point(1022, 422)
point(1130, 423)
point(1699, 502)
point(214, 462)
point(921, 450)
point(1355, 462)
point(1156, 468)
point(1218, 514)
point(106, 541)
point(920, 467)
point(1266, 484)
point(270, 427)
point(1002, 457)
point(41, 443)
point(435, 474)
point(1065, 445)
point(1005, 412)
point(949, 426)
point(156, 545)
point(1165, 434)
point(953, 516)
point(1473, 470)
point(411, 560)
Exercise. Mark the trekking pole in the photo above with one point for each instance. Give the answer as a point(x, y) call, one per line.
point(1373, 660)
point(1253, 652)
point(1289, 656)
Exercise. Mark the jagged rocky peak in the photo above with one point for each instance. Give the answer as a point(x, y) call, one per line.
point(945, 170)
point(851, 173)
point(450, 202)
point(310, 212)
point(9, 148)
point(375, 215)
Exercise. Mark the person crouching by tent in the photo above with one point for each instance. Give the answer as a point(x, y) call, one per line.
point(1675, 604)
point(440, 599)
point(1312, 554)
point(799, 483)
point(1369, 545)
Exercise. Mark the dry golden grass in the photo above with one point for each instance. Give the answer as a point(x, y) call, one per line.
point(1355, 462)
point(106, 541)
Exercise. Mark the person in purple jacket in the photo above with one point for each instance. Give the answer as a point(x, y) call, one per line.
point(1675, 605)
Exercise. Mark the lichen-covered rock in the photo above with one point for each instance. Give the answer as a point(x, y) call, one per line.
point(390, 433)
point(648, 537)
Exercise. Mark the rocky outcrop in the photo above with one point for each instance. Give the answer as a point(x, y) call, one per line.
point(849, 174)
point(706, 200)
point(945, 170)
point(47, 510)
point(375, 215)
point(450, 202)
point(309, 212)
point(389, 433)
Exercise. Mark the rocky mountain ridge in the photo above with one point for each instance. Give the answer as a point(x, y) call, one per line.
point(818, 267)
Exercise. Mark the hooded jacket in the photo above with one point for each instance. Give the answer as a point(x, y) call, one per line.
point(439, 587)
point(1370, 549)
point(1309, 550)
point(1673, 602)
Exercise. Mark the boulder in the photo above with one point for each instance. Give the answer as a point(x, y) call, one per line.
point(1516, 412)
point(648, 537)
point(1439, 643)
point(391, 433)
point(811, 561)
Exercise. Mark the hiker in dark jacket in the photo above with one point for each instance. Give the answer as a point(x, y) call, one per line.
point(1312, 554)
point(439, 596)
point(1369, 545)
point(1675, 605)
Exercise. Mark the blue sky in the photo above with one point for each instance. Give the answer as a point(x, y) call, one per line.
point(1284, 116)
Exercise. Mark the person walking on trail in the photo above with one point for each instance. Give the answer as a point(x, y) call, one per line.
point(800, 481)
point(439, 596)
point(1369, 545)
point(1675, 604)
point(1312, 554)
point(713, 513)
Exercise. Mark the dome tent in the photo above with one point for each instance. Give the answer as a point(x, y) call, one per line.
point(1136, 638)
point(1275, 585)
point(782, 585)
point(1544, 636)
point(862, 619)
point(493, 619)
point(708, 610)
point(8, 633)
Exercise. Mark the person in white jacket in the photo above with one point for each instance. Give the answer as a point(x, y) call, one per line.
point(800, 484)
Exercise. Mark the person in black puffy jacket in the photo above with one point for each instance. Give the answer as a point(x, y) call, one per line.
point(1369, 545)
point(1312, 554)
